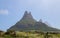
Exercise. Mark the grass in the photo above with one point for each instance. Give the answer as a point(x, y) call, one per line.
point(31, 35)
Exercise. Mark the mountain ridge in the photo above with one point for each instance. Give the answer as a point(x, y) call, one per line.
point(28, 23)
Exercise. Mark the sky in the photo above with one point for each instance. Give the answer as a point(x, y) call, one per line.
point(11, 11)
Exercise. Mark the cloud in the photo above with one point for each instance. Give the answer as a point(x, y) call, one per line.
point(4, 11)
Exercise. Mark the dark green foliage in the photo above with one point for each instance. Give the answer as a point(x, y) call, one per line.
point(31, 34)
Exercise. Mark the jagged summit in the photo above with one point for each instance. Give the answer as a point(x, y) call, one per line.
point(40, 20)
point(27, 18)
point(27, 15)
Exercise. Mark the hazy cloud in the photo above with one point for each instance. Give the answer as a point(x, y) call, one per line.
point(4, 11)
point(52, 6)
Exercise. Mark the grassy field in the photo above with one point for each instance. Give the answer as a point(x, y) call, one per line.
point(37, 35)
point(29, 35)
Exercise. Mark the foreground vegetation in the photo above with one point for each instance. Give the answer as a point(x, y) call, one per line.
point(30, 34)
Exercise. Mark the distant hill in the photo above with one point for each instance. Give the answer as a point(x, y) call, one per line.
point(28, 23)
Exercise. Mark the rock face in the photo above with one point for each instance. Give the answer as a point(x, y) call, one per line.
point(27, 18)
point(28, 23)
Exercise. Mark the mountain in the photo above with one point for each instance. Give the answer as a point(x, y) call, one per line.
point(28, 23)
point(27, 19)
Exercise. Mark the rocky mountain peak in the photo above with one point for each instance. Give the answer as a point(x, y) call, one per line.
point(27, 18)
point(27, 15)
